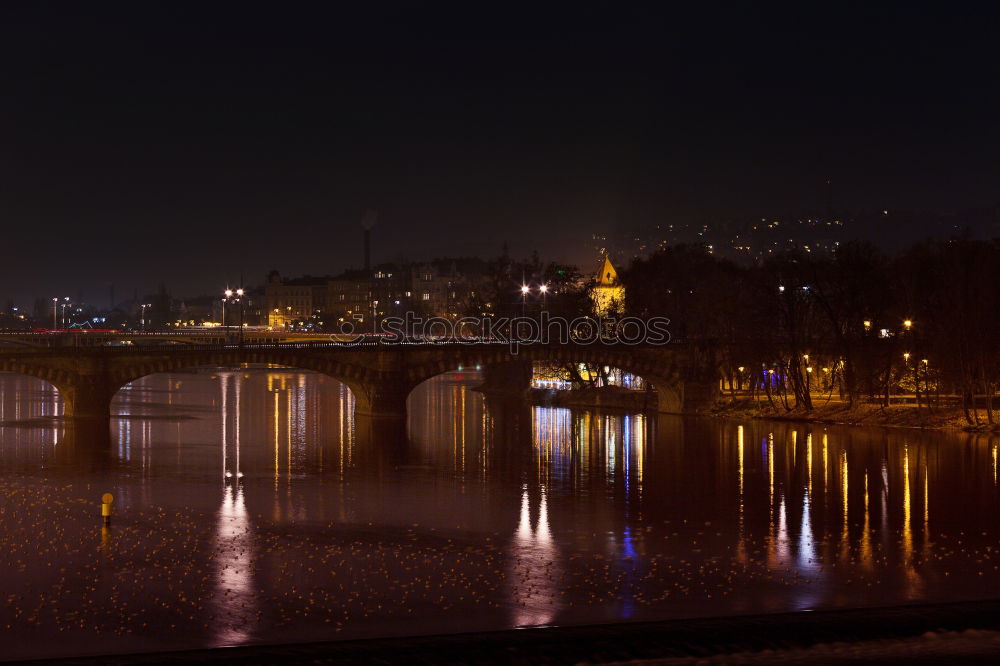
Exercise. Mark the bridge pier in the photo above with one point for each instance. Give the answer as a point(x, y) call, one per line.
point(380, 412)
point(512, 378)
point(87, 398)
point(510, 423)
point(385, 434)
point(686, 396)
point(85, 444)
point(381, 398)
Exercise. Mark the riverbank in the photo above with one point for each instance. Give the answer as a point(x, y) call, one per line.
point(610, 397)
point(840, 413)
point(846, 633)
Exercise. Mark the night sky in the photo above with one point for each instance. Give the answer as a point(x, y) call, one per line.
point(186, 143)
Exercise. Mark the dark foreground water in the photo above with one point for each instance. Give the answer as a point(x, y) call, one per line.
point(250, 508)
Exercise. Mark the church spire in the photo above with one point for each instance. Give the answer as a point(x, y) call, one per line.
point(608, 276)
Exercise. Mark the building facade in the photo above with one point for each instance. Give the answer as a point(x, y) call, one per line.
point(433, 289)
point(291, 301)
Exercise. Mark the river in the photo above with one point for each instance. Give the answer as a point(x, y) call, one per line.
point(249, 508)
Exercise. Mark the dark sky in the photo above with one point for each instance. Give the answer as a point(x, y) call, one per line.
point(186, 142)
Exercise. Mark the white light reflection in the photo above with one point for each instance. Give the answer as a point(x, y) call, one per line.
point(234, 597)
point(781, 551)
point(535, 566)
point(807, 545)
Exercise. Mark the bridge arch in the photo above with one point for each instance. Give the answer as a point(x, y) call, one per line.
point(667, 381)
point(345, 372)
point(54, 375)
point(49, 376)
point(87, 388)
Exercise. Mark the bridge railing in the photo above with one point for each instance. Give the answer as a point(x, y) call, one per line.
point(251, 345)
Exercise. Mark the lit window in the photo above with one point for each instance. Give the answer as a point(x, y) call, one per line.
point(426, 296)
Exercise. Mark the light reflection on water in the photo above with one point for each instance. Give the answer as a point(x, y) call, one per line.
point(234, 597)
point(296, 523)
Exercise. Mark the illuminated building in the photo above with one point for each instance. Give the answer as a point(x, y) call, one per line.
point(608, 293)
point(437, 288)
point(289, 300)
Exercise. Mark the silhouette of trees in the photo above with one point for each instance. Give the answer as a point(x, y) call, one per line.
point(859, 323)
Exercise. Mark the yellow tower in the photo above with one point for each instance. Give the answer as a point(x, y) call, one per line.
point(608, 293)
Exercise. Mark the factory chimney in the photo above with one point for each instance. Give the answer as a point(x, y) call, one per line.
point(367, 222)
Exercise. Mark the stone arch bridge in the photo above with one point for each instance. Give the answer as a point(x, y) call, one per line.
point(380, 376)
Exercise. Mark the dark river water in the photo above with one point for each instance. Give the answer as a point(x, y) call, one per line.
point(249, 507)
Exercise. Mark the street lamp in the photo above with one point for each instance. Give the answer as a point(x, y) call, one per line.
point(55, 310)
point(907, 324)
point(228, 293)
point(927, 380)
point(524, 296)
point(239, 299)
point(62, 318)
point(238, 294)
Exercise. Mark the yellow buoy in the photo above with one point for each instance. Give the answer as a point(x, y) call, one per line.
point(106, 500)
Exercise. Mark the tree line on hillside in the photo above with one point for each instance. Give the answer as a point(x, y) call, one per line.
point(859, 322)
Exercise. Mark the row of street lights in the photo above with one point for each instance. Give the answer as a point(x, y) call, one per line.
point(60, 308)
point(55, 309)
point(907, 325)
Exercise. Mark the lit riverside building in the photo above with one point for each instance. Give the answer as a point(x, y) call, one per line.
point(436, 288)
